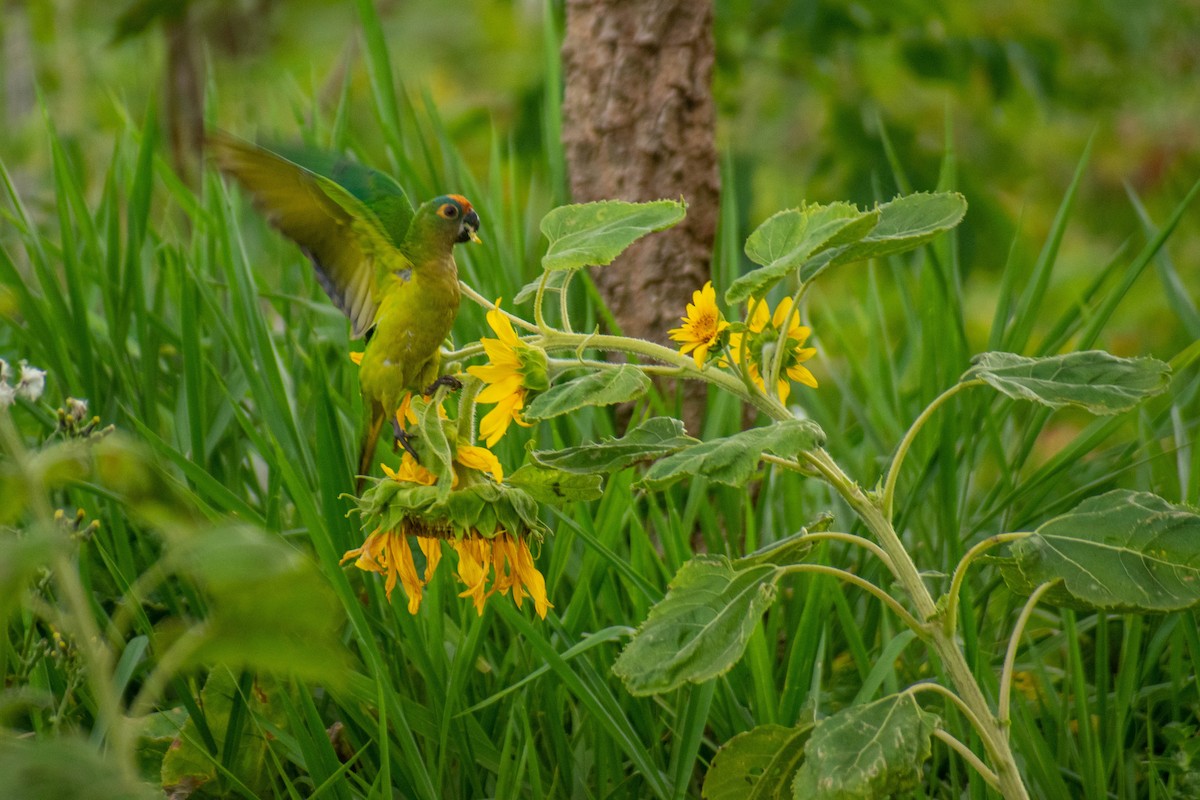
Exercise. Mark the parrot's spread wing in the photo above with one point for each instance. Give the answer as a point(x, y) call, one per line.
point(343, 238)
point(378, 191)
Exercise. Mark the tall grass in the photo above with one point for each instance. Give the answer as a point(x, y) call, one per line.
point(191, 326)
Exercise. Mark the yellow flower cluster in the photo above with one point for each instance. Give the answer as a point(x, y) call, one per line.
point(756, 343)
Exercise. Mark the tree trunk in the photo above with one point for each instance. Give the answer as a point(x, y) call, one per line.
point(184, 95)
point(638, 124)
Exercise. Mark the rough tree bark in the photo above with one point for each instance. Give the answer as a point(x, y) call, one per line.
point(639, 124)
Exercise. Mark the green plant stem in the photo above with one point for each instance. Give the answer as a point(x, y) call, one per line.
point(992, 732)
point(937, 688)
point(97, 658)
point(781, 344)
point(862, 583)
point(538, 314)
point(560, 340)
point(967, 755)
point(562, 302)
point(591, 363)
point(1014, 642)
point(850, 538)
point(893, 473)
point(490, 306)
point(466, 410)
point(960, 574)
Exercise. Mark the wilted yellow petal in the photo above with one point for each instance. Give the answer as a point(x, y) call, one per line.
point(407, 569)
point(432, 548)
point(479, 458)
point(534, 582)
point(472, 569)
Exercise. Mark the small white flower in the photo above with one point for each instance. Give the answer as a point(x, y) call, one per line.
point(4, 371)
point(77, 408)
point(8, 395)
point(32, 382)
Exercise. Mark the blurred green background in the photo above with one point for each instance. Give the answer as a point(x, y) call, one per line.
point(810, 96)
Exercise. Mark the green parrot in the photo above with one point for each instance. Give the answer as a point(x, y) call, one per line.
point(389, 269)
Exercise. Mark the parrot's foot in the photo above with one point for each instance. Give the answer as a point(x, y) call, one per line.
point(446, 380)
point(404, 439)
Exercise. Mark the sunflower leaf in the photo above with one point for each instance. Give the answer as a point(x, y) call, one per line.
point(555, 486)
point(700, 629)
point(786, 240)
point(654, 438)
point(601, 388)
point(872, 750)
point(189, 763)
point(905, 224)
point(593, 234)
point(757, 764)
point(1123, 551)
point(1094, 380)
point(733, 459)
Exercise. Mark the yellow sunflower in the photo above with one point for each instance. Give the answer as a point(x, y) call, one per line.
point(514, 369)
point(702, 325)
point(760, 340)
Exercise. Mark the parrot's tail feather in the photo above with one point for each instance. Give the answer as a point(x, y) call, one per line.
point(367, 453)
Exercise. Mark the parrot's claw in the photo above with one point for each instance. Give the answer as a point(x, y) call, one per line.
point(446, 380)
point(404, 439)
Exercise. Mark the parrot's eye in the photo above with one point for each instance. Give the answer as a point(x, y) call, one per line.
point(448, 211)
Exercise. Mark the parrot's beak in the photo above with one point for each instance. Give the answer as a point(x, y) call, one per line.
point(470, 228)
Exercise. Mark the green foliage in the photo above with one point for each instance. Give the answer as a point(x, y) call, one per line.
point(622, 385)
point(758, 764)
point(732, 460)
point(1093, 380)
point(269, 608)
point(1122, 551)
point(549, 485)
point(786, 240)
point(593, 234)
point(867, 751)
point(701, 628)
point(241, 714)
point(810, 240)
point(51, 769)
point(652, 439)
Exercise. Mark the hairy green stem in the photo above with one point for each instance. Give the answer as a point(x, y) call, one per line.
point(849, 577)
point(490, 306)
point(992, 732)
point(173, 660)
point(560, 340)
point(968, 756)
point(562, 302)
point(893, 473)
point(850, 538)
point(1014, 643)
point(960, 574)
point(781, 342)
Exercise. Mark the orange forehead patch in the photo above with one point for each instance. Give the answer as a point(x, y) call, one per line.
point(462, 201)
